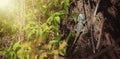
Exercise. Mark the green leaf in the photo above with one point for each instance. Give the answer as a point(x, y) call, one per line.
point(12, 54)
point(21, 54)
point(63, 52)
point(57, 19)
point(16, 45)
point(53, 41)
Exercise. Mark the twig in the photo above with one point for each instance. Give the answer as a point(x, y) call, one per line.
point(99, 39)
point(92, 39)
point(91, 29)
point(100, 53)
point(84, 9)
point(96, 8)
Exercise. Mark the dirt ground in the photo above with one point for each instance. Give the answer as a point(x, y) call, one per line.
point(101, 39)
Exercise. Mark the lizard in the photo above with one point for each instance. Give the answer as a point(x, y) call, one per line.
point(79, 29)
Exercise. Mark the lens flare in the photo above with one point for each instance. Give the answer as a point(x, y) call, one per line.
point(4, 3)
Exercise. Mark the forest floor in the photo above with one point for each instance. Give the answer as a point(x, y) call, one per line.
point(101, 37)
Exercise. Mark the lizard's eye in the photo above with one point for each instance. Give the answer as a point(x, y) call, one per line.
point(84, 23)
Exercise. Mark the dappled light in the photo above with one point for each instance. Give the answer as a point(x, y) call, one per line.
point(59, 29)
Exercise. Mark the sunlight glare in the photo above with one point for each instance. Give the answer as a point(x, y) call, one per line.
point(4, 3)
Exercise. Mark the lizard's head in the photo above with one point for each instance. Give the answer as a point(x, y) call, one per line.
point(81, 17)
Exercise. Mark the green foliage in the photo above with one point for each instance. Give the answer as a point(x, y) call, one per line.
point(51, 11)
point(7, 27)
point(42, 34)
point(31, 29)
point(11, 52)
point(17, 50)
